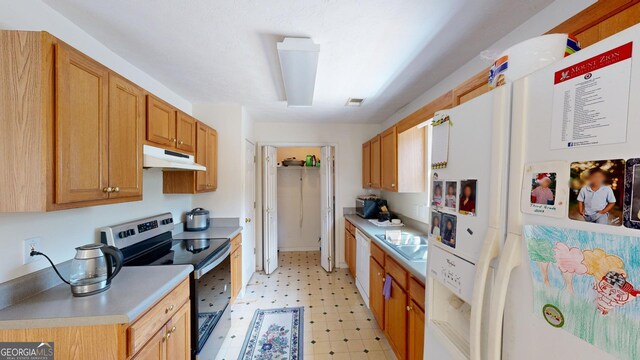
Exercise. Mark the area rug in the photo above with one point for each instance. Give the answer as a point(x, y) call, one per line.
point(275, 334)
point(206, 322)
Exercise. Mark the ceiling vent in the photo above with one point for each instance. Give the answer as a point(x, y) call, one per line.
point(354, 102)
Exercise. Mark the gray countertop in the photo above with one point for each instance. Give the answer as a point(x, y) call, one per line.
point(132, 292)
point(213, 232)
point(417, 268)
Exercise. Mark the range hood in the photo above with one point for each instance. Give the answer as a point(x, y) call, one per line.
point(155, 157)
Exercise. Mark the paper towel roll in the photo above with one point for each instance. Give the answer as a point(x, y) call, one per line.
point(530, 55)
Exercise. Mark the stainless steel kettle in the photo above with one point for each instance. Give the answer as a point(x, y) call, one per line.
point(197, 220)
point(93, 268)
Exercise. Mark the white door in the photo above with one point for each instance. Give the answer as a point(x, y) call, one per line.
point(249, 231)
point(270, 208)
point(327, 208)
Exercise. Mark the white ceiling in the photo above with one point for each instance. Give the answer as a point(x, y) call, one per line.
point(387, 51)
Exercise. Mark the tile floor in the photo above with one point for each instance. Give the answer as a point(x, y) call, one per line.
point(337, 323)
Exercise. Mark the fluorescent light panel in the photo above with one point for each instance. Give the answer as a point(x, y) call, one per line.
point(299, 65)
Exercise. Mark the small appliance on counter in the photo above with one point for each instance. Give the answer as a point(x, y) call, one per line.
point(368, 206)
point(197, 220)
point(92, 269)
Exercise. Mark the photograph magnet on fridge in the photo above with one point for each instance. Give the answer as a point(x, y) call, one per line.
point(631, 207)
point(545, 189)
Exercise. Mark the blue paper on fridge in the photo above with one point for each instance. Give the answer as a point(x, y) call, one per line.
point(587, 284)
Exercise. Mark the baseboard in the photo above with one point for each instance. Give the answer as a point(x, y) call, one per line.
point(309, 248)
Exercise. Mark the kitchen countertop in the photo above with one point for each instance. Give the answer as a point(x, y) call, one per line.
point(417, 268)
point(213, 232)
point(134, 290)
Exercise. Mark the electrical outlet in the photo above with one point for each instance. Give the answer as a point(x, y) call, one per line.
point(28, 245)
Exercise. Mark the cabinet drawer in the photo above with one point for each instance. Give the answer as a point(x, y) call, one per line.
point(350, 228)
point(145, 327)
point(416, 291)
point(396, 271)
point(377, 253)
point(236, 243)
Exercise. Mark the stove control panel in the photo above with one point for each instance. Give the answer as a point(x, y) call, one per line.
point(133, 232)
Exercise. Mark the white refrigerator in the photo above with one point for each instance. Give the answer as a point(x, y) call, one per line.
point(547, 265)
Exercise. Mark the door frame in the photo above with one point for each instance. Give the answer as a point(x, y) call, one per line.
point(259, 184)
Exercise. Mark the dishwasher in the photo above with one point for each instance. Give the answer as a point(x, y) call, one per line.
point(362, 264)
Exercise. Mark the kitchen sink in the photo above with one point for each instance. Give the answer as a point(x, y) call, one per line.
point(411, 247)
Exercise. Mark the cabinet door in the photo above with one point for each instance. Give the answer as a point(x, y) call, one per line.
point(161, 122)
point(347, 248)
point(395, 312)
point(376, 162)
point(201, 157)
point(186, 133)
point(376, 283)
point(389, 168)
point(82, 87)
point(212, 159)
point(416, 332)
point(353, 254)
point(155, 349)
point(236, 273)
point(126, 109)
point(366, 165)
point(179, 334)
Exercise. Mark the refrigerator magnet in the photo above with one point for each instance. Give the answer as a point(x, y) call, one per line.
point(435, 228)
point(437, 198)
point(451, 195)
point(632, 194)
point(468, 202)
point(544, 189)
point(597, 191)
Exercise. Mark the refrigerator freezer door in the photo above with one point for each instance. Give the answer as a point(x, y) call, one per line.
point(526, 335)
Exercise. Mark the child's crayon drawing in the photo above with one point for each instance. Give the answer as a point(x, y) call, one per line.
point(593, 279)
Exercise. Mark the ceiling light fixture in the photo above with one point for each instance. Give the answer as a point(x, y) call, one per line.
point(299, 64)
point(354, 102)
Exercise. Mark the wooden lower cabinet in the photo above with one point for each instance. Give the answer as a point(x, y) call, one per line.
point(179, 334)
point(236, 267)
point(376, 284)
point(155, 349)
point(350, 243)
point(395, 320)
point(415, 332)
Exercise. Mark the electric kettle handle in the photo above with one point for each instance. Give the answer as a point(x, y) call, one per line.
point(112, 252)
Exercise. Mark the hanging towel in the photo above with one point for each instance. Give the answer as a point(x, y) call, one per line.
point(386, 290)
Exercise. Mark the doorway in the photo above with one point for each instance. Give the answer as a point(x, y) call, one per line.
point(298, 201)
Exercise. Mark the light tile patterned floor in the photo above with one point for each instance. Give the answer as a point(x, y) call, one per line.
point(337, 323)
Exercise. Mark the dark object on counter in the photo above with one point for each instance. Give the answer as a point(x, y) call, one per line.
point(197, 220)
point(384, 216)
point(292, 162)
point(369, 208)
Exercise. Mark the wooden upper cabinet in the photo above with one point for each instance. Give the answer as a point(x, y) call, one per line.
point(389, 156)
point(186, 133)
point(82, 87)
point(412, 160)
point(212, 159)
point(161, 122)
point(126, 129)
point(366, 165)
point(376, 162)
point(201, 156)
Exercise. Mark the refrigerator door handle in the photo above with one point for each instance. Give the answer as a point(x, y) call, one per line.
point(510, 258)
point(490, 250)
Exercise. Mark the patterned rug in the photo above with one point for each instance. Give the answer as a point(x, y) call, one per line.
point(206, 323)
point(275, 334)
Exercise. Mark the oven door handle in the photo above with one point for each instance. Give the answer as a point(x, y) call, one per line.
point(197, 274)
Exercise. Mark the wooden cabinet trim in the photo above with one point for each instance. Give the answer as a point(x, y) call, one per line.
point(444, 101)
point(417, 292)
point(397, 272)
point(377, 253)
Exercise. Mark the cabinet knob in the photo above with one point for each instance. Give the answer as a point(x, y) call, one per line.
point(180, 142)
point(409, 308)
point(393, 185)
point(107, 189)
point(173, 329)
point(247, 220)
point(116, 189)
point(174, 140)
point(379, 274)
point(169, 308)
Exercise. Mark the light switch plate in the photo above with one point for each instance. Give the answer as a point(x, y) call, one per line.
point(28, 245)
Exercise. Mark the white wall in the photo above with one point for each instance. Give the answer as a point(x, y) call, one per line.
point(347, 138)
point(35, 15)
point(234, 126)
point(298, 209)
point(61, 231)
point(549, 17)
